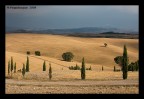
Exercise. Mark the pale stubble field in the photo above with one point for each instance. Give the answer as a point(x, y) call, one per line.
point(65, 80)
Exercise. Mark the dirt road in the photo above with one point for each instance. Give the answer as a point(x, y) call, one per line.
point(72, 87)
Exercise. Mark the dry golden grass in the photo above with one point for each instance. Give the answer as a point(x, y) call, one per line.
point(52, 47)
point(91, 48)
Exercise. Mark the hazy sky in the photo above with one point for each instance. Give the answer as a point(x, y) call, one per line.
point(52, 16)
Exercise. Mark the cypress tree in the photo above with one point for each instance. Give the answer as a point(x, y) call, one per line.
point(44, 66)
point(83, 69)
point(15, 68)
point(50, 71)
point(8, 67)
point(125, 63)
point(90, 68)
point(114, 68)
point(76, 67)
point(137, 65)
point(102, 68)
point(11, 65)
point(27, 64)
point(23, 70)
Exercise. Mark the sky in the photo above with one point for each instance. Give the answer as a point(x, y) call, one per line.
point(60, 17)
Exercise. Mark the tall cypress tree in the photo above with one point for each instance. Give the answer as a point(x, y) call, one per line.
point(23, 70)
point(9, 67)
point(137, 65)
point(83, 69)
point(102, 68)
point(27, 64)
point(50, 71)
point(125, 63)
point(15, 68)
point(114, 68)
point(44, 66)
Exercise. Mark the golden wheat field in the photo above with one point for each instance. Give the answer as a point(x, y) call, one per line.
point(53, 46)
point(91, 48)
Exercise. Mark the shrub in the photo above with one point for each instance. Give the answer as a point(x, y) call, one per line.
point(118, 60)
point(133, 66)
point(74, 67)
point(71, 68)
point(77, 67)
point(87, 68)
point(90, 68)
point(37, 53)
point(68, 56)
point(117, 70)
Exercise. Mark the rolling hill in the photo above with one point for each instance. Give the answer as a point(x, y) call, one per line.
point(53, 46)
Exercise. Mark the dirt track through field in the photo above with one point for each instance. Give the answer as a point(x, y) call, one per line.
point(48, 61)
point(117, 82)
point(72, 87)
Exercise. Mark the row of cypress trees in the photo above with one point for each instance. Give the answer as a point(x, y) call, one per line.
point(11, 67)
point(25, 69)
point(50, 69)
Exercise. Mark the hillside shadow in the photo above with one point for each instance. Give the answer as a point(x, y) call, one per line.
point(102, 46)
point(61, 60)
point(64, 60)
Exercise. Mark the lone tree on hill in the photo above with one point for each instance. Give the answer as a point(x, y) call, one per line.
point(83, 69)
point(27, 64)
point(105, 44)
point(44, 66)
point(28, 52)
point(125, 63)
point(50, 71)
point(68, 56)
point(23, 70)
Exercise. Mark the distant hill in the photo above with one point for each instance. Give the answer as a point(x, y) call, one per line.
point(94, 30)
